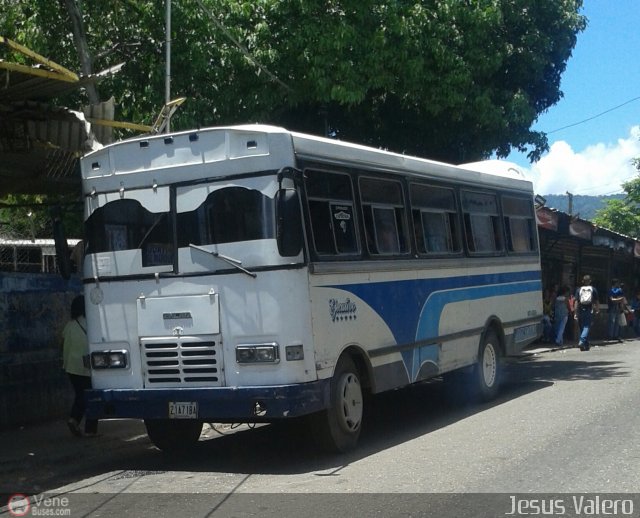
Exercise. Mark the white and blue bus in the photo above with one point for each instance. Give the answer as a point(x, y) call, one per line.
point(252, 274)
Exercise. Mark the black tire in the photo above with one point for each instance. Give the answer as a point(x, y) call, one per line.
point(481, 382)
point(173, 435)
point(337, 429)
point(487, 374)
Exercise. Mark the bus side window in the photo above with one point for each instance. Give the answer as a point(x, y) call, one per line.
point(331, 213)
point(435, 219)
point(386, 231)
point(483, 228)
point(519, 224)
point(384, 216)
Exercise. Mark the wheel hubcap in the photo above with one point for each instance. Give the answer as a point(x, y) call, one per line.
point(350, 402)
point(489, 365)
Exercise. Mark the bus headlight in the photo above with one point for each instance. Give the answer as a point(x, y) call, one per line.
point(109, 359)
point(257, 353)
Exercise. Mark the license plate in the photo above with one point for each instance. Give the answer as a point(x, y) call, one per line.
point(183, 410)
point(526, 333)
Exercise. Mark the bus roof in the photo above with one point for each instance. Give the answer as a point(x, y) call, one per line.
point(312, 148)
point(339, 152)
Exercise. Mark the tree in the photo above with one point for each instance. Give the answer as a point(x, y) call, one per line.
point(28, 217)
point(449, 79)
point(623, 216)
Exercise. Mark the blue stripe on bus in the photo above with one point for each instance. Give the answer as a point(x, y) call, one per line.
point(412, 308)
point(429, 320)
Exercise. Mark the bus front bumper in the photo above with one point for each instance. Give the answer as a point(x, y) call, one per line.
point(216, 404)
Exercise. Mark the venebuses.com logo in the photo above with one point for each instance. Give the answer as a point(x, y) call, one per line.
point(38, 505)
point(18, 505)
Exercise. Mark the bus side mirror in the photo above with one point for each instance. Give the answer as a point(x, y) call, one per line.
point(62, 250)
point(288, 223)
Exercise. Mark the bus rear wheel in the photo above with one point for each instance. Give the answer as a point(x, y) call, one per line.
point(173, 436)
point(338, 428)
point(488, 371)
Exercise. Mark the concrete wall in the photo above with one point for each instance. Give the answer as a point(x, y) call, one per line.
point(33, 311)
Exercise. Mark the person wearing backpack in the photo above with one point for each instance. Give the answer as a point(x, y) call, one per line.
point(586, 304)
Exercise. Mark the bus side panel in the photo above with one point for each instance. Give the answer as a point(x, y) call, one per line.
point(342, 319)
point(413, 329)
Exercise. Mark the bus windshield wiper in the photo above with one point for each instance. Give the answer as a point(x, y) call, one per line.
point(229, 260)
point(155, 224)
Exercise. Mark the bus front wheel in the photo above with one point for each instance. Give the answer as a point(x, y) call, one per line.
point(337, 429)
point(173, 436)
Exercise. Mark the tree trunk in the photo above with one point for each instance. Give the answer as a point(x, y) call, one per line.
point(80, 39)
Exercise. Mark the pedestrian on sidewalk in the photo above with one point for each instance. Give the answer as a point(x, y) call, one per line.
point(614, 309)
point(75, 355)
point(635, 307)
point(548, 298)
point(587, 304)
point(562, 309)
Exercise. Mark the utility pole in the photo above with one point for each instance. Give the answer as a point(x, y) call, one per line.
point(570, 196)
point(167, 77)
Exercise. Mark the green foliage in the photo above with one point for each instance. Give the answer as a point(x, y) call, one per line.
point(20, 221)
point(447, 79)
point(623, 215)
point(28, 217)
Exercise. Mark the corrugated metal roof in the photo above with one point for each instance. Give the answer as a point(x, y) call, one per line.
point(39, 148)
point(40, 143)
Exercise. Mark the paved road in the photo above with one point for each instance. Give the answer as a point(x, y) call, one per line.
point(566, 422)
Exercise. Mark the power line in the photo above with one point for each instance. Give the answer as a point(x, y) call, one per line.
point(596, 187)
point(593, 117)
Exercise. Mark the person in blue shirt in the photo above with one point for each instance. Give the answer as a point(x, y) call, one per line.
point(615, 302)
point(586, 305)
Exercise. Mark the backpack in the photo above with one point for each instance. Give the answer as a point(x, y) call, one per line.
point(586, 295)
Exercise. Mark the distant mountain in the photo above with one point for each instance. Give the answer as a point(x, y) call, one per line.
point(584, 207)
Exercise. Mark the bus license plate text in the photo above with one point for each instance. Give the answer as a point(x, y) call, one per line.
point(183, 410)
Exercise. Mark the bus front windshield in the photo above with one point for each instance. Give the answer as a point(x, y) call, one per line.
point(230, 214)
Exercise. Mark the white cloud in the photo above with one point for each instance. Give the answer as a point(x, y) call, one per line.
point(598, 169)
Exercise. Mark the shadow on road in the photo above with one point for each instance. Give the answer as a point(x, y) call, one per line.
point(392, 418)
point(286, 448)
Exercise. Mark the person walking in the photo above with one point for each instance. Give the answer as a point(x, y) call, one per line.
point(586, 304)
point(75, 349)
point(635, 307)
point(562, 309)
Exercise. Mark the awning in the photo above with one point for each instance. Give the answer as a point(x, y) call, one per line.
point(40, 144)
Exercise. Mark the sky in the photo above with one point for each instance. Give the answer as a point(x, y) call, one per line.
point(601, 104)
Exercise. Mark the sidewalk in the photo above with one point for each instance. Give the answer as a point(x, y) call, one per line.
point(540, 347)
point(38, 457)
point(45, 456)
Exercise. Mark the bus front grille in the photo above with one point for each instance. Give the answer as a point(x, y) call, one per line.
point(181, 362)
